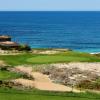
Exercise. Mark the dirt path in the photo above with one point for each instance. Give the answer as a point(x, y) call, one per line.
point(42, 82)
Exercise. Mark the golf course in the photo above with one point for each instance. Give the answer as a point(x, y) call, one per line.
point(30, 59)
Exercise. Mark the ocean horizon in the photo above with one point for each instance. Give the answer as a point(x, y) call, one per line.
point(76, 30)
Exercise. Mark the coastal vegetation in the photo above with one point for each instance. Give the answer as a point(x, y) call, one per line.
point(86, 84)
point(40, 58)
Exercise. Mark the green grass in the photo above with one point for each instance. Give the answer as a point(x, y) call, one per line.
point(5, 75)
point(54, 59)
point(10, 94)
point(16, 59)
point(69, 56)
point(37, 97)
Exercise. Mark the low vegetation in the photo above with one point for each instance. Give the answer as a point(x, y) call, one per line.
point(12, 94)
point(24, 48)
point(29, 58)
point(91, 85)
point(6, 75)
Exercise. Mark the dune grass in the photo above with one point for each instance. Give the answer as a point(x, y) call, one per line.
point(66, 57)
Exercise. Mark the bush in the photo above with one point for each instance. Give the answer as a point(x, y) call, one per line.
point(4, 68)
point(86, 84)
point(24, 48)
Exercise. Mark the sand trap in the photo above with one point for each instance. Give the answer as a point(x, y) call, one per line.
point(27, 70)
point(41, 82)
point(24, 82)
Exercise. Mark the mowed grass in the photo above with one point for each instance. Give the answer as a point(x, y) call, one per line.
point(28, 58)
point(37, 97)
point(66, 57)
point(54, 59)
point(5, 75)
point(45, 95)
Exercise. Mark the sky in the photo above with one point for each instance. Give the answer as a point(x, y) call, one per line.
point(49, 5)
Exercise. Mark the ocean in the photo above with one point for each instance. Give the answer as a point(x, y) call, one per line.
point(79, 31)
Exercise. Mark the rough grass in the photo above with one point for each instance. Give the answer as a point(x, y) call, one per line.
point(66, 57)
point(70, 56)
point(10, 94)
point(5, 75)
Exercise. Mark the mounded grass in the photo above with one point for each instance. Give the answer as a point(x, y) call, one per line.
point(66, 57)
point(5, 75)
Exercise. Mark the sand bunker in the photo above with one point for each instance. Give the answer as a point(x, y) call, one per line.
point(41, 82)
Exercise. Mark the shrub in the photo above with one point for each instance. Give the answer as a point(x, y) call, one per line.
point(86, 84)
point(24, 48)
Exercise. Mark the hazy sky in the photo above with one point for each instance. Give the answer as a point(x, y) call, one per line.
point(35, 5)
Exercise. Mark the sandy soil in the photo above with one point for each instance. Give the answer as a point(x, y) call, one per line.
point(24, 82)
point(53, 51)
point(41, 82)
point(2, 63)
point(22, 69)
point(84, 66)
point(45, 52)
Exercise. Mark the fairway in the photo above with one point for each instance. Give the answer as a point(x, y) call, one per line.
point(28, 58)
point(38, 97)
point(6, 94)
point(55, 58)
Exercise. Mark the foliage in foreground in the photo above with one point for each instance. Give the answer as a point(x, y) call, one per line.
point(11, 94)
